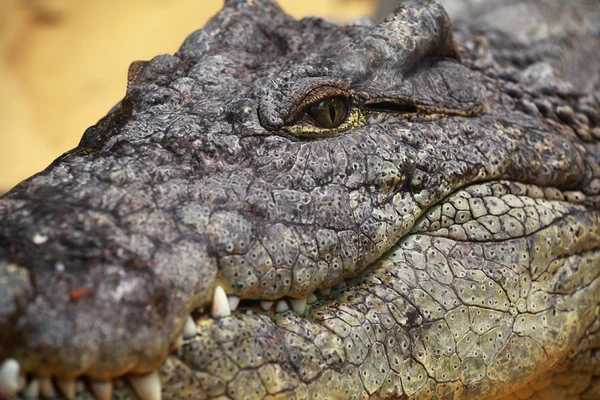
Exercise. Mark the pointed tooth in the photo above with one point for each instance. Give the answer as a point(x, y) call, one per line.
point(147, 387)
point(340, 285)
point(282, 306)
point(312, 299)
point(325, 292)
point(80, 386)
point(47, 388)
point(9, 377)
point(102, 390)
point(234, 301)
point(189, 330)
point(220, 306)
point(249, 311)
point(299, 305)
point(67, 387)
point(266, 305)
point(32, 391)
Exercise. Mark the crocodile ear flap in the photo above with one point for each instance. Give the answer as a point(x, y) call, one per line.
point(439, 85)
point(414, 31)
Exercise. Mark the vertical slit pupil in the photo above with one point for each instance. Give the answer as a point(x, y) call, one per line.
point(332, 112)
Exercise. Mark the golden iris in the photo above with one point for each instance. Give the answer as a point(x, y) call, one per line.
point(328, 113)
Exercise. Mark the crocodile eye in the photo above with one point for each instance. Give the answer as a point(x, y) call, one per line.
point(328, 113)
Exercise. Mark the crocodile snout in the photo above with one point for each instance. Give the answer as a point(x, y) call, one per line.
point(80, 298)
point(99, 320)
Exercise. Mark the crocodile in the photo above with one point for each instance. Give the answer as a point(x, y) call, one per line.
point(299, 209)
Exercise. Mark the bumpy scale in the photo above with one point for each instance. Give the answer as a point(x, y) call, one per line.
point(297, 209)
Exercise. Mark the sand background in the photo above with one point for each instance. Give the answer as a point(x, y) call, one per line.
point(63, 64)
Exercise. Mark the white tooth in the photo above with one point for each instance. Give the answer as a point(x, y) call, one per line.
point(249, 311)
point(299, 305)
point(234, 301)
point(102, 390)
point(80, 386)
point(9, 377)
point(312, 299)
point(67, 387)
point(220, 306)
point(340, 285)
point(282, 306)
point(266, 305)
point(32, 391)
point(147, 387)
point(189, 330)
point(47, 388)
point(325, 292)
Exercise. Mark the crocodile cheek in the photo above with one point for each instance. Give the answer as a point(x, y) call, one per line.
point(434, 314)
point(482, 314)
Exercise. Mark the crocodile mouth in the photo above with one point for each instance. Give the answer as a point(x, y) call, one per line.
point(481, 214)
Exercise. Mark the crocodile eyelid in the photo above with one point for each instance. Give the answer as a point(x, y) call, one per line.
point(390, 105)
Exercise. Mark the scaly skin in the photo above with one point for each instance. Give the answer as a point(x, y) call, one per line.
point(460, 201)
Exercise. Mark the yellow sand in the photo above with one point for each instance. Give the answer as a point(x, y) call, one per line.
point(63, 64)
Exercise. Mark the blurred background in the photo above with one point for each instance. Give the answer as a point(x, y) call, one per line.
point(63, 64)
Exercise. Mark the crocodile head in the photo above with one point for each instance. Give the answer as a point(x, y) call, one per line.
point(199, 228)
